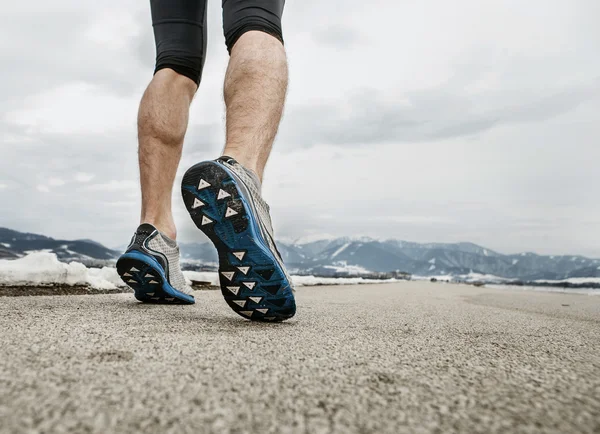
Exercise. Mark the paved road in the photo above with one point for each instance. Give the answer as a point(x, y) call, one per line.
point(408, 357)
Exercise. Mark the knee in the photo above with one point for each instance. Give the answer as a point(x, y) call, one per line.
point(180, 65)
point(233, 34)
point(239, 18)
point(171, 80)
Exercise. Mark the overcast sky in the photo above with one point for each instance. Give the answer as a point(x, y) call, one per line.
point(419, 120)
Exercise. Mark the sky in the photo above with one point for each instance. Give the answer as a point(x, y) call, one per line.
point(426, 121)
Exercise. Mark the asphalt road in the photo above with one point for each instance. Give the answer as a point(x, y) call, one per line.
point(408, 357)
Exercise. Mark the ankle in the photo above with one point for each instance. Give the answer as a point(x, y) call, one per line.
point(165, 227)
point(245, 160)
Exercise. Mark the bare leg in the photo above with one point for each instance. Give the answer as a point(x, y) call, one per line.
point(162, 123)
point(254, 92)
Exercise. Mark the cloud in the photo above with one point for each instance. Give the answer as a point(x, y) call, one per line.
point(55, 182)
point(338, 36)
point(370, 117)
point(114, 185)
point(420, 120)
point(70, 41)
point(84, 177)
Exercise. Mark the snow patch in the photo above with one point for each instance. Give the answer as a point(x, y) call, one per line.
point(6, 245)
point(574, 280)
point(432, 267)
point(343, 267)
point(442, 278)
point(340, 250)
point(43, 268)
point(515, 261)
point(202, 276)
point(495, 280)
point(432, 261)
point(469, 278)
point(485, 252)
point(475, 277)
point(312, 280)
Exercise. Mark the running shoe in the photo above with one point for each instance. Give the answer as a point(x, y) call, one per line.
point(224, 201)
point(150, 266)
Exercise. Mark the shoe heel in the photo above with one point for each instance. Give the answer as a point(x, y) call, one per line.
point(148, 282)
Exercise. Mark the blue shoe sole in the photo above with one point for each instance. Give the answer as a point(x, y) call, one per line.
point(147, 278)
point(252, 281)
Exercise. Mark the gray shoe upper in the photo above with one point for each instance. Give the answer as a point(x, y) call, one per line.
point(168, 247)
point(155, 242)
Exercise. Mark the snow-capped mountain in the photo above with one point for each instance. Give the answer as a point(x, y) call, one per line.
point(15, 244)
point(335, 256)
point(431, 259)
point(363, 255)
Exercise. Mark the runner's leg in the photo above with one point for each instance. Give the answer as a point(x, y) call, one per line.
point(180, 36)
point(256, 79)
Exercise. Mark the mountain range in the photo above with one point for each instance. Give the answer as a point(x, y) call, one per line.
point(432, 259)
point(15, 244)
point(341, 256)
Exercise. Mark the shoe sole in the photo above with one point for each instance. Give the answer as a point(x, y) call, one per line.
point(147, 279)
point(252, 281)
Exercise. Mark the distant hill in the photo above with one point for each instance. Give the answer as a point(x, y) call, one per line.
point(344, 256)
point(432, 259)
point(15, 244)
point(356, 255)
